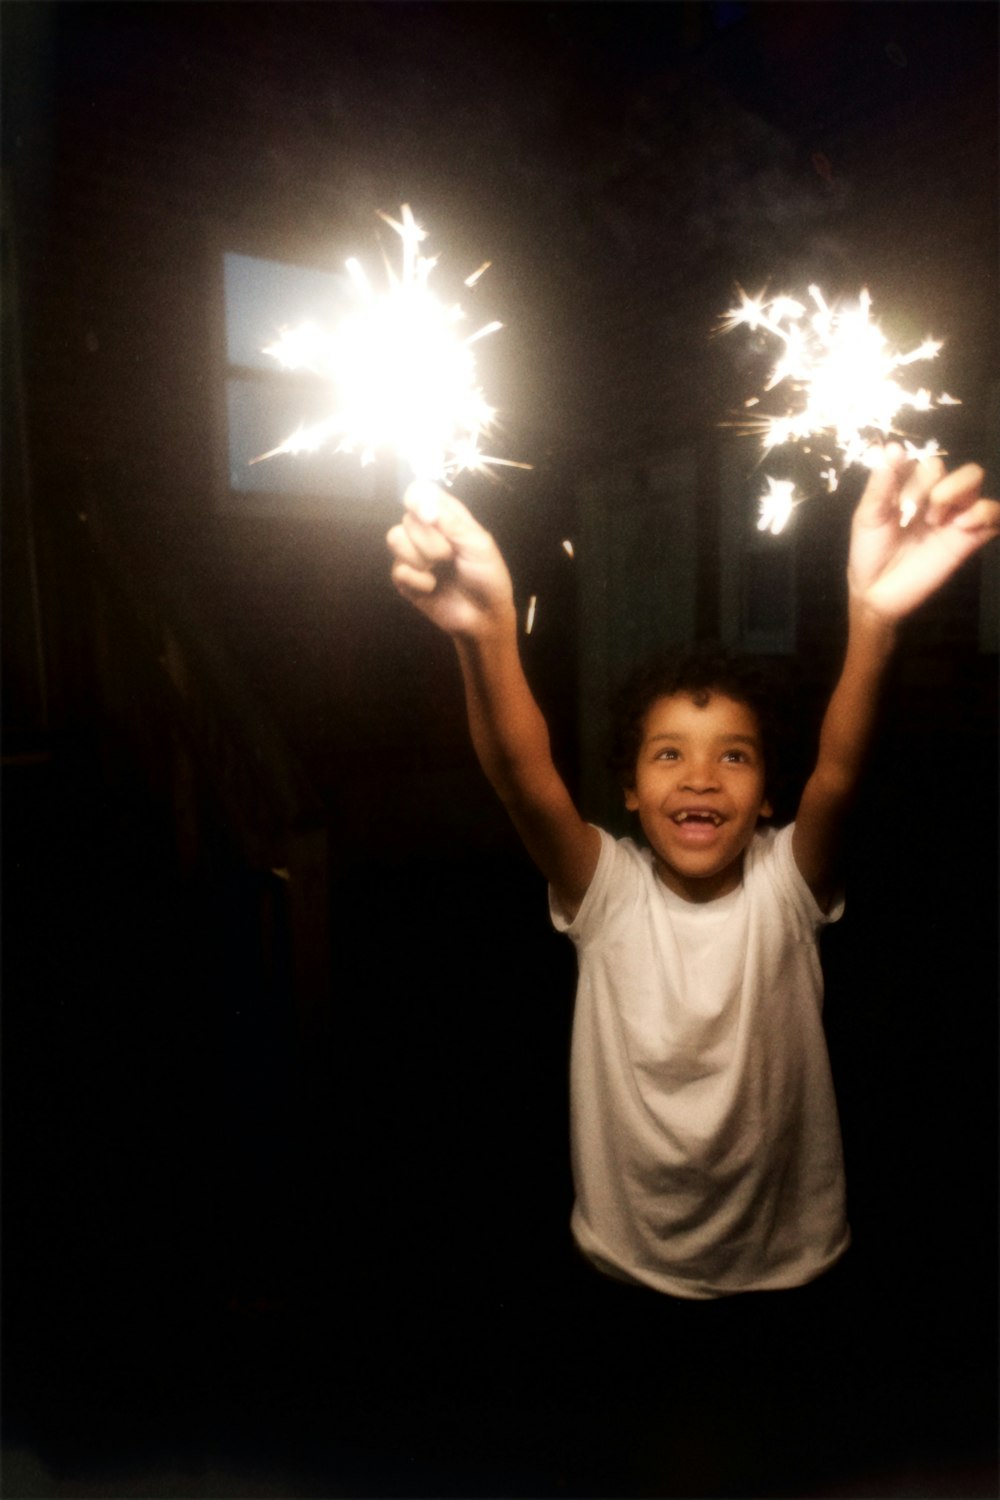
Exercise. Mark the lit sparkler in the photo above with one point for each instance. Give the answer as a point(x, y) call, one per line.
point(403, 373)
point(838, 375)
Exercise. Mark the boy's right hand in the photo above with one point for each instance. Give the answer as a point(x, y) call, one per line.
point(449, 566)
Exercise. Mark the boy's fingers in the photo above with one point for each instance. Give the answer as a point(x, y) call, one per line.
point(954, 492)
point(881, 496)
point(422, 547)
point(983, 515)
point(413, 582)
point(402, 548)
point(396, 539)
point(423, 499)
point(430, 543)
point(433, 506)
point(918, 486)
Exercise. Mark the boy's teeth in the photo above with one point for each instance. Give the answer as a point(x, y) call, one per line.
point(701, 817)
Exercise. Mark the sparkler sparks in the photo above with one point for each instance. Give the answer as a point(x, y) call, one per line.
point(838, 375)
point(403, 374)
point(776, 506)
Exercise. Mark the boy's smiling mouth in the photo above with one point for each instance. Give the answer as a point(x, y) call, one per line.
point(706, 816)
point(696, 827)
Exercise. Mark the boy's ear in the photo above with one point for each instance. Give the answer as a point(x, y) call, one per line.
point(766, 810)
point(631, 800)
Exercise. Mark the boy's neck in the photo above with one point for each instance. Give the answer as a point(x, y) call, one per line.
point(701, 890)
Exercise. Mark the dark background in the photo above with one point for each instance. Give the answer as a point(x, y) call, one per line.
point(286, 1179)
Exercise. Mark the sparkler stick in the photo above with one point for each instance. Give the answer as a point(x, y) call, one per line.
point(838, 377)
point(403, 374)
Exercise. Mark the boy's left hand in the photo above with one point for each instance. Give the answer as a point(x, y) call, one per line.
point(894, 567)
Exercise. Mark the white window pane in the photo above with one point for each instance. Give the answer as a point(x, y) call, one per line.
point(261, 414)
point(264, 296)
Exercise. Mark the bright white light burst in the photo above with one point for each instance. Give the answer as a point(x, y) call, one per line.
point(402, 371)
point(836, 375)
point(776, 505)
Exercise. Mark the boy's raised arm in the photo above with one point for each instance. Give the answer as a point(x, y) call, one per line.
point(450, 568)
point(895, 564)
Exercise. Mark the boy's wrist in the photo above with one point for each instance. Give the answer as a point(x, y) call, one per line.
point(492, 628)
point(865, 619)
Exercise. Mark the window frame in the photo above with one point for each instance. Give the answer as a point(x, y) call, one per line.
point(368, 492)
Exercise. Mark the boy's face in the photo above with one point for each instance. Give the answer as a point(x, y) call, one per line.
point(699, 790)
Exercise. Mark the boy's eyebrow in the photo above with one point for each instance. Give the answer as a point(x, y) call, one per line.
point(729, 739)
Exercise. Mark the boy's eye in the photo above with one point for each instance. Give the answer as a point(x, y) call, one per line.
point(737, 755)
point(667, 753)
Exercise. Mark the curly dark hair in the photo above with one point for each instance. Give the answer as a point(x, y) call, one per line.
point(704, 669)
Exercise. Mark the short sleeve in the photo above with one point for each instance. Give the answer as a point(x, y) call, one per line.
point(774, 850)
point(595, 893)
point(604, 892)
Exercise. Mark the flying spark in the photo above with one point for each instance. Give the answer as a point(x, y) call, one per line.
point(402, 371)
point(836, 376)
point(776, 505)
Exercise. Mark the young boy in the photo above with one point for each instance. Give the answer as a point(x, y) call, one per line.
point(705, 1142)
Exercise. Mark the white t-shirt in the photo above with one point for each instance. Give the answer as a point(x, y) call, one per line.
point(705, 1140)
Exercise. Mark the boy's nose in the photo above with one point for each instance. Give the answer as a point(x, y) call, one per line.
point(700, 781)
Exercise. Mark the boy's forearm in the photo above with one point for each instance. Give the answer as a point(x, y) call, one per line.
point(849, 721)
point(508, 730)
